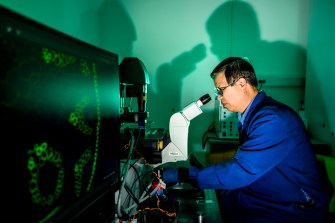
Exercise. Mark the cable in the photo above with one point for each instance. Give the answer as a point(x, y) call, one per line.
point(128, 198)
point(131, 148)
point(144, 175)
point(261, 82)
point(131, 194)
point(205, 137)
point(129, 190)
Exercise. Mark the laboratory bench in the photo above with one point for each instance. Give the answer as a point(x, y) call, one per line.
point(188, 204)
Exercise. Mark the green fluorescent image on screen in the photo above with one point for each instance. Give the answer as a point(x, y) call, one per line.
point(59, 118)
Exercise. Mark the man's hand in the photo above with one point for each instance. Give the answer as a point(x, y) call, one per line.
point(170, 175)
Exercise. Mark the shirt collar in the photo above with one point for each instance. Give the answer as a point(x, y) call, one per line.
point(241, 116)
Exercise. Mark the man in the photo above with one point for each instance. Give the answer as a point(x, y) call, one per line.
point(273, 177)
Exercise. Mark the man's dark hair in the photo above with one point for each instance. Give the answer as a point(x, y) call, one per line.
point(235, 68)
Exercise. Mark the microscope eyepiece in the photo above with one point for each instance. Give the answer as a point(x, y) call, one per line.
point(205, 99)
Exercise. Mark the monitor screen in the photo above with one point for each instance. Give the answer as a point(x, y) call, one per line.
point(60, 121)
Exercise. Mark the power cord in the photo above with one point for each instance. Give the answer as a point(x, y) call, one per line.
point(131, 149)
point(205, 137)
point(261, 82)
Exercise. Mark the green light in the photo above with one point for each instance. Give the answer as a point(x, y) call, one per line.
point(79, 170)
point(39, 156)
point(42, 154)
point(77, 118)
point(97, 95)
point(57, 58)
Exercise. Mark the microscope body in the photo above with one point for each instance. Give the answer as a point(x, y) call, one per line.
point(177, 149)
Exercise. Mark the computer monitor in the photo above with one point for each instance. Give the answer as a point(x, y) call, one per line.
point(60, 123)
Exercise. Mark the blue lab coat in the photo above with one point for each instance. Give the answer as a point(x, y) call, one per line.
point(273, 177)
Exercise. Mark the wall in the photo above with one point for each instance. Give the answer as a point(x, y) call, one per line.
point(79, 19)
point(180, 42)
point(320, 78)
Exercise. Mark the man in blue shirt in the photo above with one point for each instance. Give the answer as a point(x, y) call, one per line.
point(273, 177)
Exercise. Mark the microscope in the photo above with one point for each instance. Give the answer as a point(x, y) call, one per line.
point(177, 149)
point(156, 149)
point(158, 146)
point(134, 79)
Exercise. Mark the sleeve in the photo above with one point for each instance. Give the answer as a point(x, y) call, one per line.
point(266, 145)
point(174, 175)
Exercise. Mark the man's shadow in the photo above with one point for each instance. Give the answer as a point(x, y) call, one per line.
point(234, 30)
point(169, 82)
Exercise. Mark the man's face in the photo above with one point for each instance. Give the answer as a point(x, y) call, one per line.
point(231, 94)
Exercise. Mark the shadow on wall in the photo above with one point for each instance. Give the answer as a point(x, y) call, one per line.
point(119, 32)
point(234, 31)
point(169, 82)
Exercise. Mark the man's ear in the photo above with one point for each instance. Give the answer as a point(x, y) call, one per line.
point(242, 81)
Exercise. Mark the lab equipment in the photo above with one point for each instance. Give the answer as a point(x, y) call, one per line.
point(177, 149)
point(225, 122)
point(134, 79)
point(59, 123)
